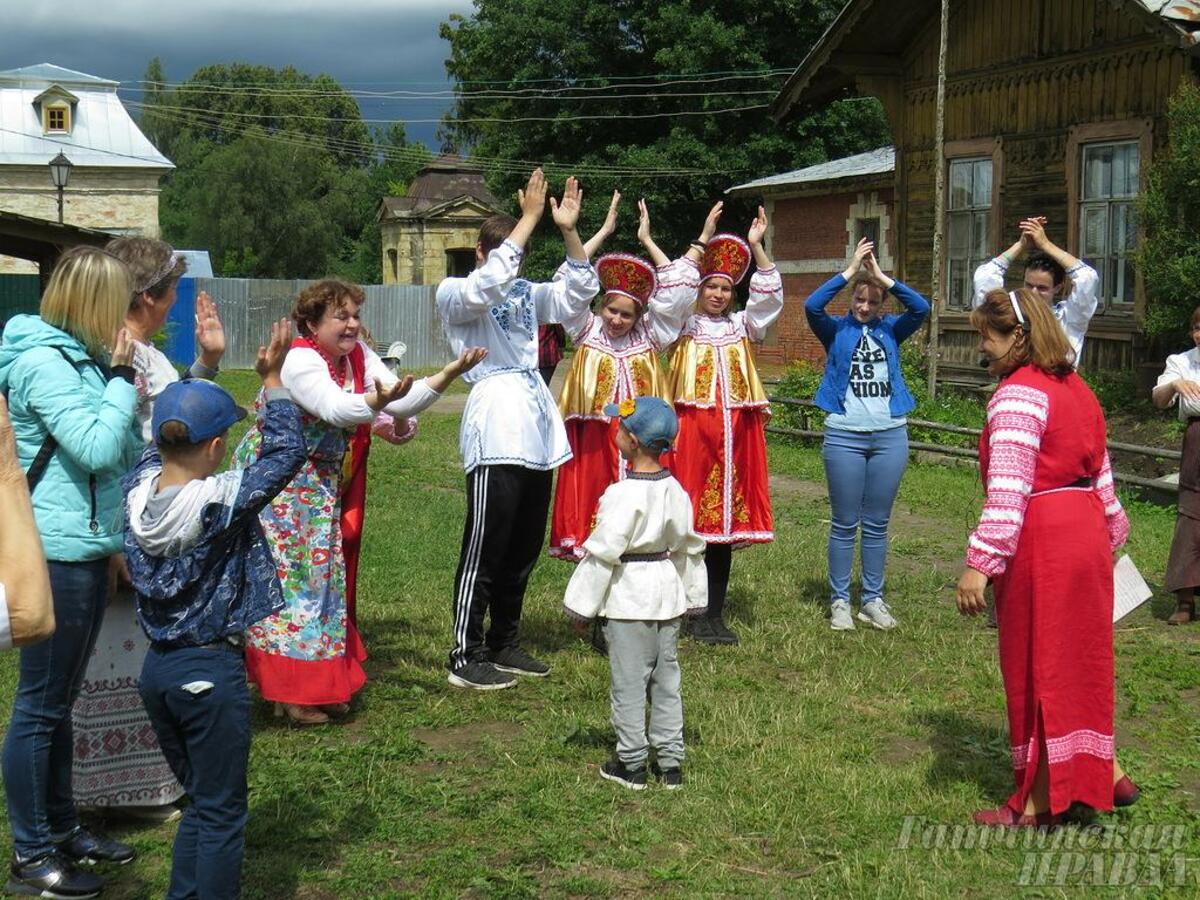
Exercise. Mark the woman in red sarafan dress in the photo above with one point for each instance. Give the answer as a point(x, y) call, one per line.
point(1045, 538)
point(616, 359)
point(720, 456)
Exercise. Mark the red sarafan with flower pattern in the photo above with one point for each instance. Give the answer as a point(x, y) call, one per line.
point(627, 275)
point(725, 256)
point(1049, 525)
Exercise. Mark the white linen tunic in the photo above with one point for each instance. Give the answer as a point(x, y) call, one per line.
point(644, 514)
point(1074, 313)
point(511, 417)
point(1185, 366)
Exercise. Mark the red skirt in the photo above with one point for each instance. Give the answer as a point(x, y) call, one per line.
point(1054, 612)
point(595, 463)
point(720, 458)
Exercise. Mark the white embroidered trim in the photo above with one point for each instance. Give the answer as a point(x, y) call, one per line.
point(1062, 749)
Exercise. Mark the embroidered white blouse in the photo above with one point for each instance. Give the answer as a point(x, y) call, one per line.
point(306, 375)
point(1074, 313)
point(153, 372)
point(1185, 366)
point(644, 514)
point(511, 417)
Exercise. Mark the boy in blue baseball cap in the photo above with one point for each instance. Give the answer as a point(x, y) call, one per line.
point(643, 571)
point(203, 573)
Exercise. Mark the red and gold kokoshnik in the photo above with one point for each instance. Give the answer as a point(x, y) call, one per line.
point(725, 256)
point(627, 275)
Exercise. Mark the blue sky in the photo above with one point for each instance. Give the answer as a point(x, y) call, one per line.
point(365, 44)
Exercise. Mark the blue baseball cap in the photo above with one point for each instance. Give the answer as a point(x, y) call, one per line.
point(651, 420)
point(203, 408)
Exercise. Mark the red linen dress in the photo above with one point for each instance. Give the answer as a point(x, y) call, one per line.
point(1049, 525)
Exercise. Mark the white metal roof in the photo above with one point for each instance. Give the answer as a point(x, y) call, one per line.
point(873, 162)
point(102, 131)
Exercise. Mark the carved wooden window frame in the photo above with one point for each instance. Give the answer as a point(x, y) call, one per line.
point(952, 151)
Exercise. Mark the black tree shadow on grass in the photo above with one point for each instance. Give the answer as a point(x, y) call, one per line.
point(280, 846)
point(967, 749)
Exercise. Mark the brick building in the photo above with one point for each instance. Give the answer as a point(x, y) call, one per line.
point(114, 185)
point(817, 215)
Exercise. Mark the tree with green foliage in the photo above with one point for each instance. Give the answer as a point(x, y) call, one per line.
point(276, 173)
point(622, 54)
point(1169, 256)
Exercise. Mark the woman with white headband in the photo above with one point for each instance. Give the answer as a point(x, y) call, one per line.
point(1050, 522)
point(117, 763)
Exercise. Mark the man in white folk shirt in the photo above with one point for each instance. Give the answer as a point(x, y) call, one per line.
point(1047, 271)
point(512, 436)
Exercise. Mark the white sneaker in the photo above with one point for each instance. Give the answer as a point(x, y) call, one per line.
point(877, 613)
point(839, 616)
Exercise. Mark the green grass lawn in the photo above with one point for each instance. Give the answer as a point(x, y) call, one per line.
point(819, 764)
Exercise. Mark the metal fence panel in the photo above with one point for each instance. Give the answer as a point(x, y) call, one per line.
point(392, 312)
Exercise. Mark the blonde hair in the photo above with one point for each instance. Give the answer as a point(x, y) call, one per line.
point(87, 297)
point(1041, 342)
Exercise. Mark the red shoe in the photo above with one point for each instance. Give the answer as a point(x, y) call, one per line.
point(1004, 817)
point(1125, 792)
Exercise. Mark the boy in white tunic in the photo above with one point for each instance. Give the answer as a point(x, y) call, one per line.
point(643, 571)
point(1047, 269)
point(512, 436)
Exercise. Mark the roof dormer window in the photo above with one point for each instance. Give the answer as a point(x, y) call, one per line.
point(56, 106)
point(57, 118)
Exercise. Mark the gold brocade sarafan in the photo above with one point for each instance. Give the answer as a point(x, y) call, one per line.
point(697, 368)
point(598, 377)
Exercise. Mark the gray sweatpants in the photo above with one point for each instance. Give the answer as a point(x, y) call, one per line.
point(640, 655)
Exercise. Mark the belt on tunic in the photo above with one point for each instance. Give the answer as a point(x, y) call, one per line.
point(645, 557)
point(1079, 484)
point(507, 370)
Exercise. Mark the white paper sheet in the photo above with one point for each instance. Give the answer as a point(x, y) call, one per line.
point(1129, 588)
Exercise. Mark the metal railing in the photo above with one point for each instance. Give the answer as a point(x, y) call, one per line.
point(970, 452)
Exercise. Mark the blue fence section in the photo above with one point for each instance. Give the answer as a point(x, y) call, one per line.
point(181, 325)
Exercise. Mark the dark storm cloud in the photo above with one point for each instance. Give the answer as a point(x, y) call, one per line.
point(365, 44)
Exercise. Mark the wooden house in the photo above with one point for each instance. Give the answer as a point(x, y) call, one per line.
point(1052, 107)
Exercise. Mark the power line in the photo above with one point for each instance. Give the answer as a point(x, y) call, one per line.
point(658, 95)
point(467, 120)
point(659, 79)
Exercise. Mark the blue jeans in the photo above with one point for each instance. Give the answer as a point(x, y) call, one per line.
point(199, 706)
point(39, 745)
point(863, 471)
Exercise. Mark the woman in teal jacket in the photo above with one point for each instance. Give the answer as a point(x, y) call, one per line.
point(71, 397)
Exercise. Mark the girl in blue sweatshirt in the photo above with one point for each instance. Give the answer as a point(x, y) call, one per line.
point(866, 435)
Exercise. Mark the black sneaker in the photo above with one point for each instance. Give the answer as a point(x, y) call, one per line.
point(634, 779)
point(514, 659)
point(700, 628)
point(480, 676)
point(671, 779)
point(721, 633)
point(82, 846)
point(52, 875)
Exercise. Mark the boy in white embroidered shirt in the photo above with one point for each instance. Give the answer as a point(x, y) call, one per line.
point(644, 570)
point(512, 436)
point(1047, 270)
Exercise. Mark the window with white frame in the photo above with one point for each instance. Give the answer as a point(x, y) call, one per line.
point(968, 214)
point(1108, 217)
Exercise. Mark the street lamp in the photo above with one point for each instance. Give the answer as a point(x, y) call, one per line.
point(60, 174)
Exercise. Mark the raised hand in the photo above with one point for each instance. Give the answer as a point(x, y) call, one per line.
point(865, 248)
point(565, 212)
point(643, 229)
point(1033, 233)
point(210, 333)
point(532, 200)
point(710, 221)
point(610, 220)
point(122, 351)
point(758, 228)
point(269, 361)
point(382, 396)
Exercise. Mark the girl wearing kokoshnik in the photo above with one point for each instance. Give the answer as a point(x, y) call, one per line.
point(720, 456)
point(616, 359)
point(307, 659)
